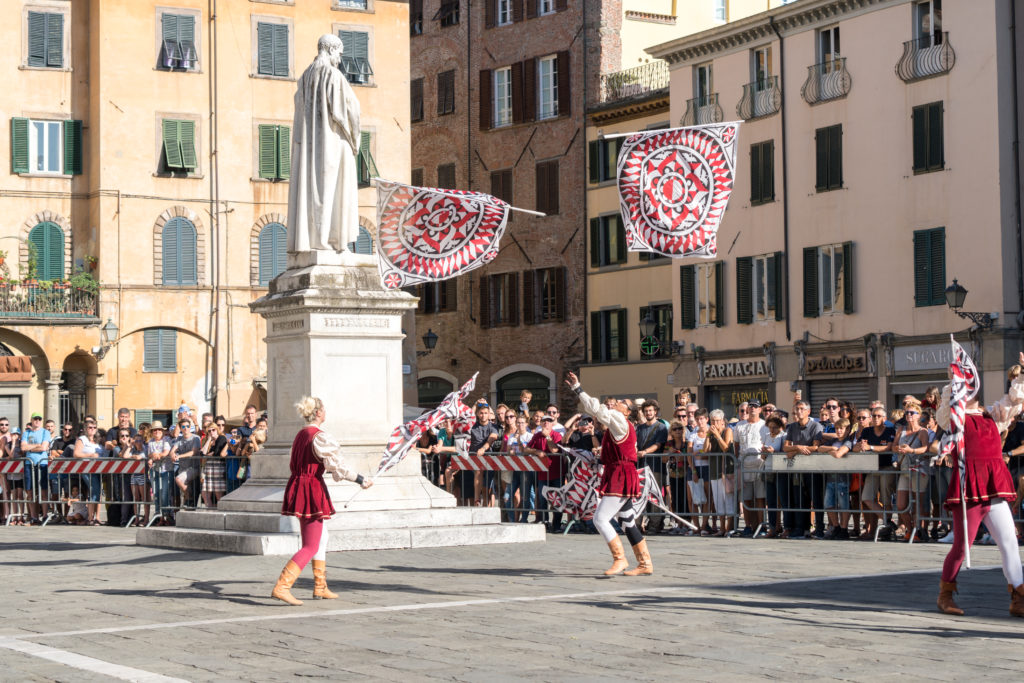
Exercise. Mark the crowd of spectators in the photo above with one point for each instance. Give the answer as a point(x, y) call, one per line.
point(717, 469)
point(190, 463)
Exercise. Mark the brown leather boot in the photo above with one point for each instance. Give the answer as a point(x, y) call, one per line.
point(643, 560)
point(320, 589)
point(283, 589)
point(945, 602)
point(1016, 600)
point(619, 555)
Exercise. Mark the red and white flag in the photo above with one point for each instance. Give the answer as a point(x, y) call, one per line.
point(427, 234)
point(674, 186)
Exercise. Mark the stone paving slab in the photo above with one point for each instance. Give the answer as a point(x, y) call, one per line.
point(716, 609)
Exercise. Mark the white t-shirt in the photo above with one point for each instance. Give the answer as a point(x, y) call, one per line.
point(748, 437)
point(696, 446)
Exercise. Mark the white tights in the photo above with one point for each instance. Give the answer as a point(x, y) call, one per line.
point(999, 522)
point(321, 551)
point(611, 507)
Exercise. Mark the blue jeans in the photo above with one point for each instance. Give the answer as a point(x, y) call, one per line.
point(162, 482)
point(837, 494)
point(526, 482)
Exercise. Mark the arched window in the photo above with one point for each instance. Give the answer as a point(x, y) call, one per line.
point(179, 252)
point(510, 385)
point(48, 239)
point(432, 390)
point(273, 251)
point(363, 243)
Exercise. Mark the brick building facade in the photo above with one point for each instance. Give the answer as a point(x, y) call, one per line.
point(498, 98)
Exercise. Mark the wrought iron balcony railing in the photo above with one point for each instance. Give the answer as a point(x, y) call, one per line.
point(925, 57)
point(826, 81)
point(760, 98)
point(629, 83)
point(24, 301)
point(701, 110)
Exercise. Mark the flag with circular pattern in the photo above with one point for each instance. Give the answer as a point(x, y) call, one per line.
point(427, 234)
point(674, 186)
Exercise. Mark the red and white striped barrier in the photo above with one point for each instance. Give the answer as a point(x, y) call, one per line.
point(514, 463)
point(97, 466)
point(12, 467)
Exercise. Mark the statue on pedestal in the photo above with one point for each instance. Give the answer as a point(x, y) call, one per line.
point(323, 193)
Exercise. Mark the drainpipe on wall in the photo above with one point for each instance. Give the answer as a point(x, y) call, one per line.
point(214, 257)
point(584, 175)
point(785, 180)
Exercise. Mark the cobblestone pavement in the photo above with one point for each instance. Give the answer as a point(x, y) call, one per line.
point(87, 604)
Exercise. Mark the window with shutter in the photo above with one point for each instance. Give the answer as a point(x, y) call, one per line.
point(547, 187)
point(178, 44)
point(45, 34)
point(563, 84)
point(179, 252)
point(416, 17)
point(416, 99)
point(811, 282)
point(762, 170)
point(416, 177)
point(48, 240)
point(547, 94)
point(688, 297)
point(72, 147)
point(187, 142)
point(448, 13)
point(364, 242)
point(828, 144)
point(929, 154)
point(596, 336)
point(19, 145)
point(273, 50)
point(179, 146)
point(501, 185)
point(367, 167)
point(446, 176)
point(268, 151)
point(160, 350)
point(143, 416)
point(273, 252)
point(848, 301)
point(446, 92)
point(828, 280)
point(531, 306)
point(745, 295)
point(355, 60)
point(661, 314)
point(617, 335)
point(776, 296)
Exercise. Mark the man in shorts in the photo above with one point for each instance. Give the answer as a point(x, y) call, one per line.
point(185, 452)
point(748, 444)
point(878, 488)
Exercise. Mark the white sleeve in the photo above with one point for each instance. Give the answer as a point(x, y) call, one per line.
point(328, 450)
point(613, 419)
point(1005, 409)
point(942, 412)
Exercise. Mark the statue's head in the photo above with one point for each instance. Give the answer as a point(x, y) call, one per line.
point(330, 46)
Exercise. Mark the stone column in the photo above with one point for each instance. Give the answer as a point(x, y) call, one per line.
point(51, 396)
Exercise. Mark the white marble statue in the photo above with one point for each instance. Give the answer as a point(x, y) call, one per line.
point(323, 196)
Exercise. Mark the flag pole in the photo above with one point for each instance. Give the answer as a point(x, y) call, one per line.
point(672, 514)
point(512, 208)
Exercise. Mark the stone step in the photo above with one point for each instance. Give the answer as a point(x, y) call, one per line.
point(262, 522)
point(249, 543)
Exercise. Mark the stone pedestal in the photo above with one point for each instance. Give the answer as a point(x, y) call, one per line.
point(335, 333)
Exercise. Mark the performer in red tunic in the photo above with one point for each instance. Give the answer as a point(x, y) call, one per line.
point(989, 489)
point(314, 451)
point(620, 483)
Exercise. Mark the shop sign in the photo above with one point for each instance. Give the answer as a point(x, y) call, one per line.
point(736, 369)
point(922, 357)
point(822, 365)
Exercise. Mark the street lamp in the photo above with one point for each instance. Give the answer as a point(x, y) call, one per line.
point(647, 325)
point(108, 337)
point(955, 296)
point(429, 341)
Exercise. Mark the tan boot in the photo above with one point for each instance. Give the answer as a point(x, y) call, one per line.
point(1016, 600)
point(643, 560)
point(283, 589)
point(619, 555)
point(945, 602)
point(320, 589)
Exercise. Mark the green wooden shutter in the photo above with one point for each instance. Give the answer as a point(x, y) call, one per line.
point(186, 32)
point(835, 157)
point(48, 240)
point(755, 173)
point(768, 171)
point(284, 152)
point(281, 51)
point(268, 151)
point(920, 139)
point(780, 298)
point(54, 40)
point(367, 168)
point(172, 149)
point(150, 353)
point(922, 266)
point(687, 297)
point(621, 348)
point(171, 254)
point(938, 267)
point(620, 238)
point(595, 338)
point(936, 153)
point(821, 159)
point(595, 242)
point(848, 277)
point(744, 289)
point(593, 159)
point(810, 282)
point(187, 140)
point(19, 145)
point(179, 252)
point(265, 49)
point(187, 250)
point(361, 51)
point(168, 350)
point(272, 248)
point(719, 294)
point(72, 148)
point(36, 39)
point(364, 243)
point(143, 417)
point(169, 32)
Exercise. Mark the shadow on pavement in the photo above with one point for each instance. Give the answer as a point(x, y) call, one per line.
point(477, 571)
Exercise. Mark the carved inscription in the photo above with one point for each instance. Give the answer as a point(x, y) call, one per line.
point(356, 322)
point(289, 325)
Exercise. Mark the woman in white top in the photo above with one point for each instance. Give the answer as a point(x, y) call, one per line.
point(86, 446)
point(699, 464)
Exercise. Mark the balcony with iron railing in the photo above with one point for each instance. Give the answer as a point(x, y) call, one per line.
point(47, 301)
point(826, 81)
point(702, 110)
point(761, 97)
point(635, 82)
point(924, 57)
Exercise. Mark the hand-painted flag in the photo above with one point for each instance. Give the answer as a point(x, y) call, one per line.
point(427, 234)
point(674, 186)
point(964, 384)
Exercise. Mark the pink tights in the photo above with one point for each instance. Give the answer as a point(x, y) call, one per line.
point(311, 531)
